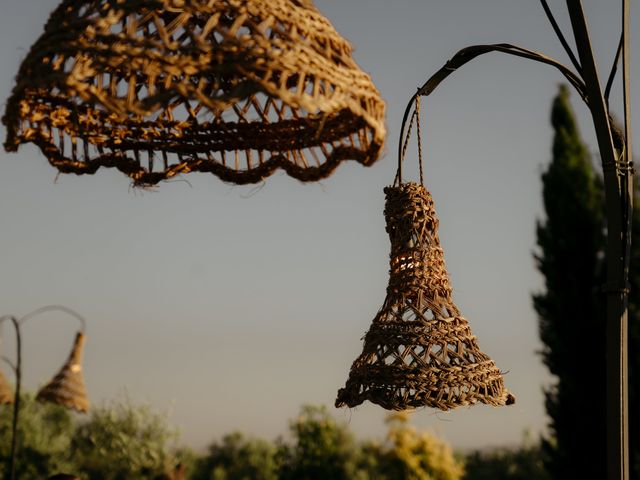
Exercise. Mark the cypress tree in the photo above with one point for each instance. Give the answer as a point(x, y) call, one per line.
point(571, 307)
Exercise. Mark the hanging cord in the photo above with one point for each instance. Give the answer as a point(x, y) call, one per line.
point(403, 149)
point(419, 135)
point(404, 138)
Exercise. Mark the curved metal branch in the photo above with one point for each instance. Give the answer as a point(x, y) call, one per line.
point(625, 79)
point(614, 70)
point(469, 53)
point(59, 308)
point(563, 41)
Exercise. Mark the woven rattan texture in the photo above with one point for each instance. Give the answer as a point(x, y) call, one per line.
point(156, 88)
point(6, 395)
point(67, 387)
point(419, 351)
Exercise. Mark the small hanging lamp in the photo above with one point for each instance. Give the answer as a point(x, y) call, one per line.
point(237, 88)
point(6, 395)
point(419, 350)
point(67, 387)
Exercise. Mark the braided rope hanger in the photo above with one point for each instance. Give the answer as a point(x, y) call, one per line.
point(415, 118)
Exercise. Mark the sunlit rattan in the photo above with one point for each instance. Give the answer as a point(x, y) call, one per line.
point(419, 350)
point(157, 88)
point(67, 387)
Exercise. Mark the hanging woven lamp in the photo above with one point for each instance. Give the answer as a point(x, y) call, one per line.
point(419, 350)
point(157, 88)
point(67, 387)
point(6, 395)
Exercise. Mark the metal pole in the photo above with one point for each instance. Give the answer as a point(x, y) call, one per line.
point(615, 152)
point(11, 467)
point(16, 402)
point(627, 213)
point(618, 182)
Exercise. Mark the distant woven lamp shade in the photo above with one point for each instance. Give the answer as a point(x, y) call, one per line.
point(419, 351)
point(156, 88)
point(67, 387)
point(6, 395)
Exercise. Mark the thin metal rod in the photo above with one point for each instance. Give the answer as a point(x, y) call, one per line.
point(59, 308)
point(560, 36)
point(618, 185)
point(469, 53)
point(626, 81)
point(627, 206)
point(16, 402)
point(614, 70)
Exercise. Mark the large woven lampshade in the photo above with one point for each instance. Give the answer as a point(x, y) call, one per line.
point(67, 387)
point(6, 395)
point(419, 350)
point(156, 88)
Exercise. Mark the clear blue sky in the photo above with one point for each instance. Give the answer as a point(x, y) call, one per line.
point(232, 306)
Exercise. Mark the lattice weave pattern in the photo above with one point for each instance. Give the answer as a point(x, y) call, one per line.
point(156, 88)
point(419, 350)
point(67, 387)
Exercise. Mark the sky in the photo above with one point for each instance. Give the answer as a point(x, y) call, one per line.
point(229, 307)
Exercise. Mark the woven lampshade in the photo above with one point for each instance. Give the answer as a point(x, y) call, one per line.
point(156, 88)
point(419, 350)
point(67, 387)
point(6, 395)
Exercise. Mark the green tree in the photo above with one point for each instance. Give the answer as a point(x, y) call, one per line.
point(414, 455)
point(570, 309)
point(238, 458)
point(122, 441)
point(322, 448)
point(521, 463)
point(373, 460)
point(44, 434)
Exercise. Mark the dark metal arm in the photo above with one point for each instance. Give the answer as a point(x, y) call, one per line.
point(563, 40)
point(469, 53)
point(59, 308)
point(614, 70)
